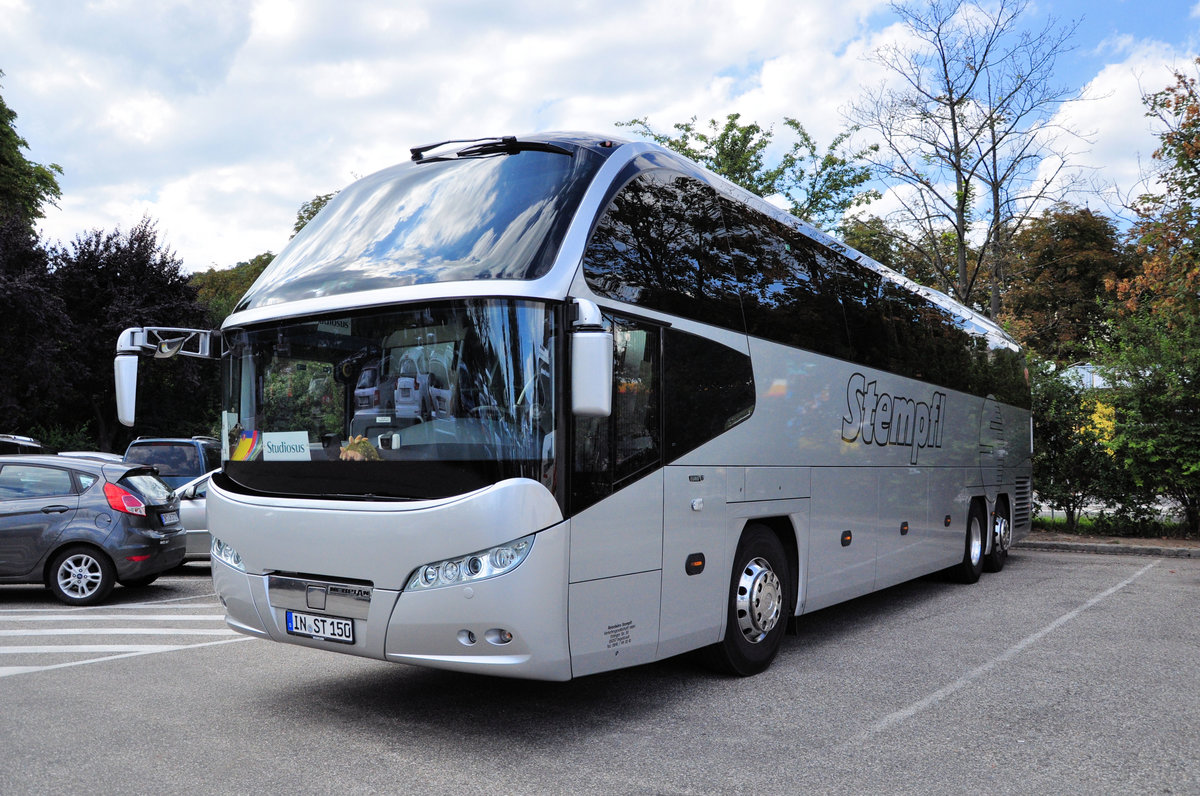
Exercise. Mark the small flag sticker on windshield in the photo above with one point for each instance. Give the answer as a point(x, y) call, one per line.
point(249, 447)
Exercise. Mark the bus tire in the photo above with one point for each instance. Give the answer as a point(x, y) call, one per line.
point(969, 569)
point(759, 603)
point(1000, 537)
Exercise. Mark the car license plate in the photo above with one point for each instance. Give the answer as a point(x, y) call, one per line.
point(329, 628)
point(170, 517)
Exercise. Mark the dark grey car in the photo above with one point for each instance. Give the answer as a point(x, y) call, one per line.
point(82, 525)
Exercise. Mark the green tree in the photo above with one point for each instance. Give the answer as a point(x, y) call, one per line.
point(1167, 220)
point(1056, 302)
point(219, 290)
point(108, 282)
point(1154, 367)
point(24, 185)
point(819, 186)
point(32, 320)
point(1071, 465)
point(1153, 357)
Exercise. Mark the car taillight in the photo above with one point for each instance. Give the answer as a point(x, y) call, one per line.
point(121, 499)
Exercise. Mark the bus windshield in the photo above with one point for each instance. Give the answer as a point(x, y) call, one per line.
point(415, 402)
point(496, 217)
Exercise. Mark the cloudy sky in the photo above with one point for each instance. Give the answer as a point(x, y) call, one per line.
point(219, 119)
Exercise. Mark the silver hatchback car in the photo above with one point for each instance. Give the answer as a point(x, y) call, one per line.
point(81, 526)
point(193, 512)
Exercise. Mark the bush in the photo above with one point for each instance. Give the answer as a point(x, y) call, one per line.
point(57, 438)
point(1121, 523)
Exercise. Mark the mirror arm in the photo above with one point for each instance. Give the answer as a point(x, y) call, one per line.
point(160, 342)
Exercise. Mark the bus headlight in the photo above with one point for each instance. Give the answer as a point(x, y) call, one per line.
point(470, 568)
point(223, 552)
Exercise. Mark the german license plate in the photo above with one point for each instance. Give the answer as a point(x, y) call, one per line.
point(170, 517)
point(329, 628)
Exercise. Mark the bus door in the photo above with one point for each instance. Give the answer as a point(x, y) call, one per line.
point(695, 570)
point(616, 499)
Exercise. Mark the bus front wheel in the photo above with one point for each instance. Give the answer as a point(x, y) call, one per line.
point(760, 590)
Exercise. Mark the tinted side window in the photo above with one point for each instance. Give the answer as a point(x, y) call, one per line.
point(656, 245)
point(611, 451)
point(1010, 377)
point(860, 290)
point(212, 457)
point(788, 295)
point(708, 389)
point(31, 481)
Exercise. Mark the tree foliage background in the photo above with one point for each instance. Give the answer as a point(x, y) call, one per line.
point(1070, 283)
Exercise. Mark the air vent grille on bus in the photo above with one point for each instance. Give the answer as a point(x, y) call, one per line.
point(1022, 503)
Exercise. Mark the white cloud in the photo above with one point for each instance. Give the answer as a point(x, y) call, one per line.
point(1113, 116)
point(140, 119)
point(218, 119)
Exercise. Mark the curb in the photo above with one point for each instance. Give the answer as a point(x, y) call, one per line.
point(1111, 549)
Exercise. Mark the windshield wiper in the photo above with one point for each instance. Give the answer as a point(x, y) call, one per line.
point(485, 147)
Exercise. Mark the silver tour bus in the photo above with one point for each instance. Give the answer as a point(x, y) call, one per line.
point(548, 406)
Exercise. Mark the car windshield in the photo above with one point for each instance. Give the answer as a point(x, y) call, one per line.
point(466, 397)
point(496, 217)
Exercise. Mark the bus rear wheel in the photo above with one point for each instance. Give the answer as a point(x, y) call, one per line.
point(760, 590)
point(971, 567)
point(1001, 538)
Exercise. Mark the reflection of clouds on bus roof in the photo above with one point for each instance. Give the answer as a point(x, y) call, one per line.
point(471, 218)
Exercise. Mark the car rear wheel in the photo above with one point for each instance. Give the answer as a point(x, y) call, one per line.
point(80, 576)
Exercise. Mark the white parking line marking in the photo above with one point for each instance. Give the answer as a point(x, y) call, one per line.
point(7, 671)
point(937, 696)
point(118, 631)
point(89, 648)
point(160, 605)
point(116, 617)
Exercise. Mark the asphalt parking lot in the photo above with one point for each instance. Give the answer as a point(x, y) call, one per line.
point(1065, 673)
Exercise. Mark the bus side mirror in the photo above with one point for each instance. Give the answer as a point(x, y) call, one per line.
point(125, 368)
point(160, 342)
point(591, 363)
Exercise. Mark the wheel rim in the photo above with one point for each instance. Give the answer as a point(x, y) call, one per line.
point(1001, 533)
point(976, 541)
point(759, 600)
point(79, 576)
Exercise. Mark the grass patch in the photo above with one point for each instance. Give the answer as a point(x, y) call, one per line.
point(1115, 525)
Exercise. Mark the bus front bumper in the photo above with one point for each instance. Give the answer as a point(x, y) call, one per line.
point(513, 625)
